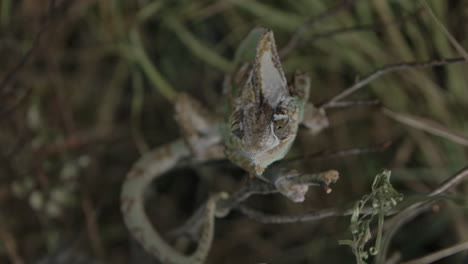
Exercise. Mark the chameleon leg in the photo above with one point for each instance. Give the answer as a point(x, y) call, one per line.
point(294, 184)
point(313, 118)
point(199, 128)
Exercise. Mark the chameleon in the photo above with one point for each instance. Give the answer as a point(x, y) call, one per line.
point(262, 117)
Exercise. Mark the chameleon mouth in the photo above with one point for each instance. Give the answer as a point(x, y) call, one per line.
point(259, 169)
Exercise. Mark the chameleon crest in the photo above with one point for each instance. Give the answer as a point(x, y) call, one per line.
point(265, 115)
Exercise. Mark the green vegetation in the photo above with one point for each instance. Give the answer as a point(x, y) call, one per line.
point(87, 86)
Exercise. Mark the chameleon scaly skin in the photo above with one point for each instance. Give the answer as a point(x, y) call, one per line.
point(266, 113)
point(263, 124)
point(191, 116)
point(142, 174)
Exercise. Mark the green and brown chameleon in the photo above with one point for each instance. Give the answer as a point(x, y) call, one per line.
point(263, 116)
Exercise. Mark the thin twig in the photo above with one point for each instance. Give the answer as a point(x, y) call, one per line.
point(341, 153)
point(255, 186)
point(434, 256)
point(447, 34)
point(80, 139)
point(343, 104)
point(387, 69)
point(451, 182)
point(10, 246)
point(92, 226)
point(24, 59)
point(286, 219)
point(429, 126)
point(11, 74)
point(294, 40)
point(363, 28)
point(416, 209)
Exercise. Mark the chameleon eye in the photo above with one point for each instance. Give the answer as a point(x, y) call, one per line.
point(279, 124)
point(237, 130)
point(281, 128)
point(236, 125)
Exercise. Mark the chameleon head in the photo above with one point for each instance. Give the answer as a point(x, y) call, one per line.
point(264, 120)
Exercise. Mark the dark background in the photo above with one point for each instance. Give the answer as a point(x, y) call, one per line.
point(87, 86)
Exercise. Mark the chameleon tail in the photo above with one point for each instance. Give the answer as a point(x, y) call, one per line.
point(149, 167)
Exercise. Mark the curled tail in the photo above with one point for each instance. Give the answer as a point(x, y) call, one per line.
point(149, 167)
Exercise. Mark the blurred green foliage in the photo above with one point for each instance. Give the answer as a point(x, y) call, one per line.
point(97, 88)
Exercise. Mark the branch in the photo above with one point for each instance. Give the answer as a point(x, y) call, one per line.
point(294, 40)
point(387, 69)
point(287, 219)
point(362, 28)
point(415, 209)
point(428, 126)
point(331, 212)
point(255, 186)
point(447, 34)
point(342, 153)
point(433, 257)
point(24, 59)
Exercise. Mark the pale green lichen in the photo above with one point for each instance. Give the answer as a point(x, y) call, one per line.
point(382, 200)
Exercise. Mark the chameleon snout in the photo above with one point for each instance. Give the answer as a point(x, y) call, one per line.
point(259, 169)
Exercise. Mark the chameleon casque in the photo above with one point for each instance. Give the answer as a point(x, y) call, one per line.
point(263, 115)
point(265, 112)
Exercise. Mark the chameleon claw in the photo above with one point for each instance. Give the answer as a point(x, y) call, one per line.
point(331, 176)
point(295, 192)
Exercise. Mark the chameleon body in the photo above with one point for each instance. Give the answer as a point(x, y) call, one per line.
point(265, 112)
point(264, 115)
